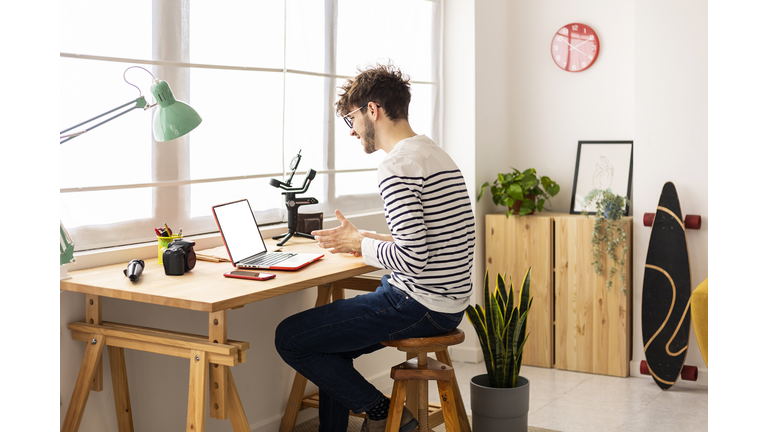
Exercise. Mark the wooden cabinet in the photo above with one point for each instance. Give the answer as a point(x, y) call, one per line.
point(575, 323)
point(511, 246)
point(592, 323)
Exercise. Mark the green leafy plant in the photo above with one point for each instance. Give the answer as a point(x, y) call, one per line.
point(500, 326)
point(608, 233)
point(522, 192)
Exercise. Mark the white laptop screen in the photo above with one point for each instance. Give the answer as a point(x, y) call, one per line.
point(239, 229)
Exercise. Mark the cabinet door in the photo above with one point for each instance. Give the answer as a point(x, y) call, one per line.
point(512, 245)
point(592, 323)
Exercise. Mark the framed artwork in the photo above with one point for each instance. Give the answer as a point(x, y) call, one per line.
point(601, 165)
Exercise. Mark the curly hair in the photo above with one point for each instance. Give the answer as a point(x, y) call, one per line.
point(384, 85)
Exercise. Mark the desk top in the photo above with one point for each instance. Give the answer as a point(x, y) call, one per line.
point(205, 288)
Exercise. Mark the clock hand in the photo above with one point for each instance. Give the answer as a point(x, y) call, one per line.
point(580, 44)
point(574, 48)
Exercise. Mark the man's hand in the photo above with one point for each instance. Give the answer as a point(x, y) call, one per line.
point(342, 239)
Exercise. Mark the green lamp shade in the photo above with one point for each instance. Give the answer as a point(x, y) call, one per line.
point(173, 118)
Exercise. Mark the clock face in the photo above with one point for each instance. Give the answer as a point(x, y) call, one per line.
point(575, 47)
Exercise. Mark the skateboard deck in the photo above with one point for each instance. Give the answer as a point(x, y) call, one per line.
point(666, 312)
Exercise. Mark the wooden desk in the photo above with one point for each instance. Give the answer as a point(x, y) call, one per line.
point(202, 289)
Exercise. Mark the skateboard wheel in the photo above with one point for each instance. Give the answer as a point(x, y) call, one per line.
point(644, 368)
point(690, 373)
point(692, 222)
point(648, 219)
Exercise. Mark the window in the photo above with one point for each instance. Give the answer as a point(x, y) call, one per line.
point(263, 75)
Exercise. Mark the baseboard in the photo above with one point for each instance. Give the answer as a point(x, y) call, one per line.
point(466, 354)
point(272, 424)
point(634, 371)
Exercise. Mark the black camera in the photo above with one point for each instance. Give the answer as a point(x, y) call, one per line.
point(179, 257)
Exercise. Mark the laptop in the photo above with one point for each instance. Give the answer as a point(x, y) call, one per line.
point(245, 245)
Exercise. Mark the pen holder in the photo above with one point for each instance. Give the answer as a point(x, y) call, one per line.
point(162, 245)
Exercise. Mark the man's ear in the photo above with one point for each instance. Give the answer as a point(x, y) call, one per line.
point(374, 110)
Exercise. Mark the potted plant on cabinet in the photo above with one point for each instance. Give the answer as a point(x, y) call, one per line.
point(522, 192)
point(499, 399)
point(609, 232)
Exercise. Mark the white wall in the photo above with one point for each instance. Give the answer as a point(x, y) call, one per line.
point(646, 86)
point(458, 134)
point(551, 110)
point(671, 134)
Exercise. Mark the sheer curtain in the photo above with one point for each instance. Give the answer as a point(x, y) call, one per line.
point(263, 76)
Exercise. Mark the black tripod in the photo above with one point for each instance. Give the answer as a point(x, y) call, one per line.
point(292, 203)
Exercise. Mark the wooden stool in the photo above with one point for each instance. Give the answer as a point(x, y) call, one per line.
point(411, 377)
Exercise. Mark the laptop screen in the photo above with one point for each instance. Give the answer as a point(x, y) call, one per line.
point(239, 230)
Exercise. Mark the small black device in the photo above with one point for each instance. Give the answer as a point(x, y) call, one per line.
point(292, 203)
point(135, 267)
point(179, 257)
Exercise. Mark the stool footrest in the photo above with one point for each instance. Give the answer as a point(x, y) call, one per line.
point(433, 370)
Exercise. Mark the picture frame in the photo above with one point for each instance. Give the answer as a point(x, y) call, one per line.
point(601, 165)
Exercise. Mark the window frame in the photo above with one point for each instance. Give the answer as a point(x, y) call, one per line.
point(171, 195)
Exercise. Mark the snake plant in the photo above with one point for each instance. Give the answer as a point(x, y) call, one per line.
point(500, 326)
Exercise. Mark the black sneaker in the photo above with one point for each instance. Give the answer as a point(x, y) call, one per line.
point(407, 424)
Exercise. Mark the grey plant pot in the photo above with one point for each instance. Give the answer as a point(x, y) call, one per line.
point(499, 409)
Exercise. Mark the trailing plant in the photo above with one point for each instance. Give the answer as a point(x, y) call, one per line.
point(500, 326)
point(609, 233)
point(524, 190)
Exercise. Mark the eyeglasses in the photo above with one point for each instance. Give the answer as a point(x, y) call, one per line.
point(348, 119)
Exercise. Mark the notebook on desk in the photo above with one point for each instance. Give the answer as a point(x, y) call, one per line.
point(245, 244)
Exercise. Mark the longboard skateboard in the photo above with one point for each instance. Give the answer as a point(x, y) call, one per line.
point(666, 302)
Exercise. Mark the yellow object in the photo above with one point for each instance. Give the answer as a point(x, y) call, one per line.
point(699, 301)
point(162, 245)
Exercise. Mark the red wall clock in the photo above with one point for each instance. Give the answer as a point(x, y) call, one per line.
point(575, 47)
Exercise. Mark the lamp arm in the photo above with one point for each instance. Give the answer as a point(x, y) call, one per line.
point(139, 103)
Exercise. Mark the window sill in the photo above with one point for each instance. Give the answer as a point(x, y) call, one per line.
point(123, 254)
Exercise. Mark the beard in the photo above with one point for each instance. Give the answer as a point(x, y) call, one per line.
point(369, 137)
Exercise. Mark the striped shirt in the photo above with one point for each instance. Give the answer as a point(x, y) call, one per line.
point(429, 214)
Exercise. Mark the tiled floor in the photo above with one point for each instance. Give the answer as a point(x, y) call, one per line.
point(574, 402)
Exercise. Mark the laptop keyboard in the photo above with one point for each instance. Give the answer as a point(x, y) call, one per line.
point(269, 258)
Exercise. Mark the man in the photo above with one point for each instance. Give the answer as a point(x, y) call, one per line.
point(430, 253)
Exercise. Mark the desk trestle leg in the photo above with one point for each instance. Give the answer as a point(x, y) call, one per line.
point(217, 333)
point(82, 389)
point(120, 389)
point(93, 316)
point(198, 367)
point(236, 412)
point(201, 352)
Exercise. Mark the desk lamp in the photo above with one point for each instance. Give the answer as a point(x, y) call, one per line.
point(173, 119)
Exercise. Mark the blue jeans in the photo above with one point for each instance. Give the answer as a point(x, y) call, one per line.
point(321, 343)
